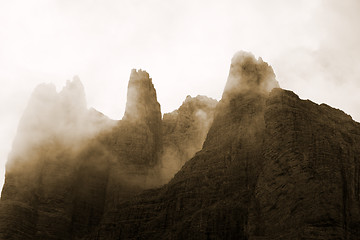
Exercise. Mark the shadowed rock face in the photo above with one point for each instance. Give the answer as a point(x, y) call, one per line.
point(272, 166)
point(309, 184)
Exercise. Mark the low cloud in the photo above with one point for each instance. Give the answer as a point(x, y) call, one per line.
point(185, 131)
point(57, 118)
point(249, 74)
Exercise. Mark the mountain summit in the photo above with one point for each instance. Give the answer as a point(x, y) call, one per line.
point(249, 74)
point(259, 164)
point(141, 101)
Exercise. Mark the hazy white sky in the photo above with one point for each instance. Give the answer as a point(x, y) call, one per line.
point(185, 45)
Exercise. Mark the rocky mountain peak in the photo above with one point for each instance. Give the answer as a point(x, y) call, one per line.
point(52, 116)
point(248, 74)
point(141, 102)
point(73, 94)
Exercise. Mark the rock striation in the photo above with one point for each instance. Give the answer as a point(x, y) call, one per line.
point(309, 185)
point(264, 164)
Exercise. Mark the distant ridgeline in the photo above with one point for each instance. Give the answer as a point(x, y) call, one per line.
point(259, 164)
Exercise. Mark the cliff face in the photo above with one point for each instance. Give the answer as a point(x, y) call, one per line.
point(272, 167)
point(309, 184)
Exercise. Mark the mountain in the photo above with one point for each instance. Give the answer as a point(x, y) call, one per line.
point(259, 164)
point(70, 164)
point(46, 171)
point(273, 166)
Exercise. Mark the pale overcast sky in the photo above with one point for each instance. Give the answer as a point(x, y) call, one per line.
point(185, 45)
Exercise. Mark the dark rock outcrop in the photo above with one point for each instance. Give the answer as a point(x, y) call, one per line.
point(309, 185)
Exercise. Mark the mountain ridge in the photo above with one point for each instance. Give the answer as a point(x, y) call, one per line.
point(265, 165)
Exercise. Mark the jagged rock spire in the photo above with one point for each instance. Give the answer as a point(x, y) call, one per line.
point(142, 104)
point(248, 74)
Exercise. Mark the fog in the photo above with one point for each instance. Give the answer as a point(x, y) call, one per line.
point(186, 46)
point(56, 118)
point(249, 74)
point(185, 130)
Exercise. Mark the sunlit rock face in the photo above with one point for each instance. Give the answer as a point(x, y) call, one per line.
point(263, 164)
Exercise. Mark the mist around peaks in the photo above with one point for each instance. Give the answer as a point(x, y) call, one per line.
point(63, 117)
point(141, 100)
point(56, 118)
point(248, 74)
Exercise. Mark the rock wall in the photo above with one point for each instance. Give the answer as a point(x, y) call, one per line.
point(309, 185)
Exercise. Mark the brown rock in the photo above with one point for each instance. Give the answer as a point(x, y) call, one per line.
point(184, 132)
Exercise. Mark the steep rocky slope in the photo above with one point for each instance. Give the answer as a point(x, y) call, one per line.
point(309, 185)
point(272, 167)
